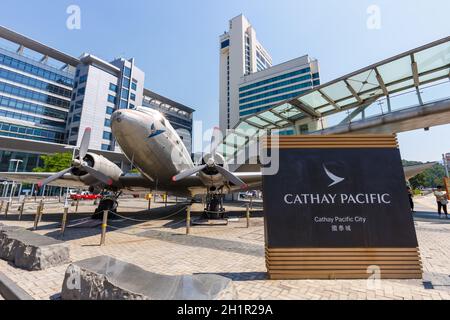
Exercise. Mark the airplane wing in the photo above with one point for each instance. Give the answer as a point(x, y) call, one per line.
point(68, 180)
point(134, 182)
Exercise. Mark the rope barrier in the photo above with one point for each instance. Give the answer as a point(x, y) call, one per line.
point(141, 220)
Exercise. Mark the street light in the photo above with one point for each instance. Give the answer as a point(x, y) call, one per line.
point(17, 161)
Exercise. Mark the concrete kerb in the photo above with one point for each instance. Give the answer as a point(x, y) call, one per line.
point(11, 291)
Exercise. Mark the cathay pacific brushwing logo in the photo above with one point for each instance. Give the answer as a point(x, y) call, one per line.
point(333, 177)
point(154, 132)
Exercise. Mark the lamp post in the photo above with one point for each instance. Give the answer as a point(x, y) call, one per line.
point(17, 161)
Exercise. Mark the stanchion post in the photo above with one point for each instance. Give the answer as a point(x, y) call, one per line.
point(78, 202)
point(149, 201)
point(21, 209)
point(251, 202)
point(188, 220)
point(248, 216)
point(165, 199)
point(64, 220)
point(1, 206)
point(7, 209)
point(104, 226)
point(41, 210)
point(36, 217)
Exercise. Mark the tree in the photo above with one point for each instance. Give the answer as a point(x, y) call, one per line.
point(429, 178)
point(55, 162)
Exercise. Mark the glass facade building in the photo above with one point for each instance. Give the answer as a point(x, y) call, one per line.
point(264, 89)
point(34, 98)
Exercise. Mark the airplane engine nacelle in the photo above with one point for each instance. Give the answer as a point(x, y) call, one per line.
point(210, 177)
point(101, 164)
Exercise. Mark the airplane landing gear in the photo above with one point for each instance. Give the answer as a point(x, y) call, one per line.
point(108, 202)
point(214, 206)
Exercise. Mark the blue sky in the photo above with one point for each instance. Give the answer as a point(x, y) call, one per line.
point(176, 41)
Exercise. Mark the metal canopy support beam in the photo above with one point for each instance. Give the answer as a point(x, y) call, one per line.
point(266, 120)
point(282, 116)
point(357, 111)
point(354, 93)
point(253, 124)
point(383, 87)
point(415, 72)
point(20, 49)
point(330, 101)
point(305, 109)
point(44, 59)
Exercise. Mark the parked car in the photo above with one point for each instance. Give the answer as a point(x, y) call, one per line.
point(85, 196)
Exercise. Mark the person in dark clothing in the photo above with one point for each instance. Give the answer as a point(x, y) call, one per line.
point(410, 197)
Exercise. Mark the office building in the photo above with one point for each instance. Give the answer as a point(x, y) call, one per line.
point(240, 54)
point(249, 82)
point(261, 90)
point(100, 88)
point(48, 98)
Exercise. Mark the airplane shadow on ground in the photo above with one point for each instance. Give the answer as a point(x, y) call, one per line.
point(146, 219)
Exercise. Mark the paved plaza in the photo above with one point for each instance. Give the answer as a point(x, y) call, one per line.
point(159, 244)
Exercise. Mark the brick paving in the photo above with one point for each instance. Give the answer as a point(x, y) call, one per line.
point(232, 251)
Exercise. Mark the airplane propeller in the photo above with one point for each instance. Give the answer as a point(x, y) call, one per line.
point(211, 164)
point(80, 164)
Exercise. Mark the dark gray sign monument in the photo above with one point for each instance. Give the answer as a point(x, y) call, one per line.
point(338, 208)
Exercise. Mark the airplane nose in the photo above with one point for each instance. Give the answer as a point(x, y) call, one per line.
point(116, 116)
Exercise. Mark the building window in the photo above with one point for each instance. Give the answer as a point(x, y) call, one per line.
point(107, 135)
point(111, 99)
point(225, 44)
point(125, 82)
point(81, 91)
point(133, 97)
point(113, 87)
point(83, 79)
point(106, 147)
point(74, 131)
point(109, 110)
point(132, 106)
point(127, 72)
point(125, 94)
point(107, 122)
point(134, 85)
point(78, 104)
point(76, 117)
point(123, 104)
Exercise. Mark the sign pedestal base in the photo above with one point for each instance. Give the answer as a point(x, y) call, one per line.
point(343, 263)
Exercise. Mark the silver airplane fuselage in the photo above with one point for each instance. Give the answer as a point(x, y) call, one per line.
point(150, 142)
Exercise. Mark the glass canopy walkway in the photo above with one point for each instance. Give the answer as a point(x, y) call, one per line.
point(418, 77)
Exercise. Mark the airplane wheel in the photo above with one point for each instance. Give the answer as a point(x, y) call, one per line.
point(105, 204)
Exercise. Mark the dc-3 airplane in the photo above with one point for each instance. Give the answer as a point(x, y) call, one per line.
point(149, 141)
point(153, 146)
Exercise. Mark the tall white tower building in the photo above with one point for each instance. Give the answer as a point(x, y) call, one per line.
point(240, 54)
